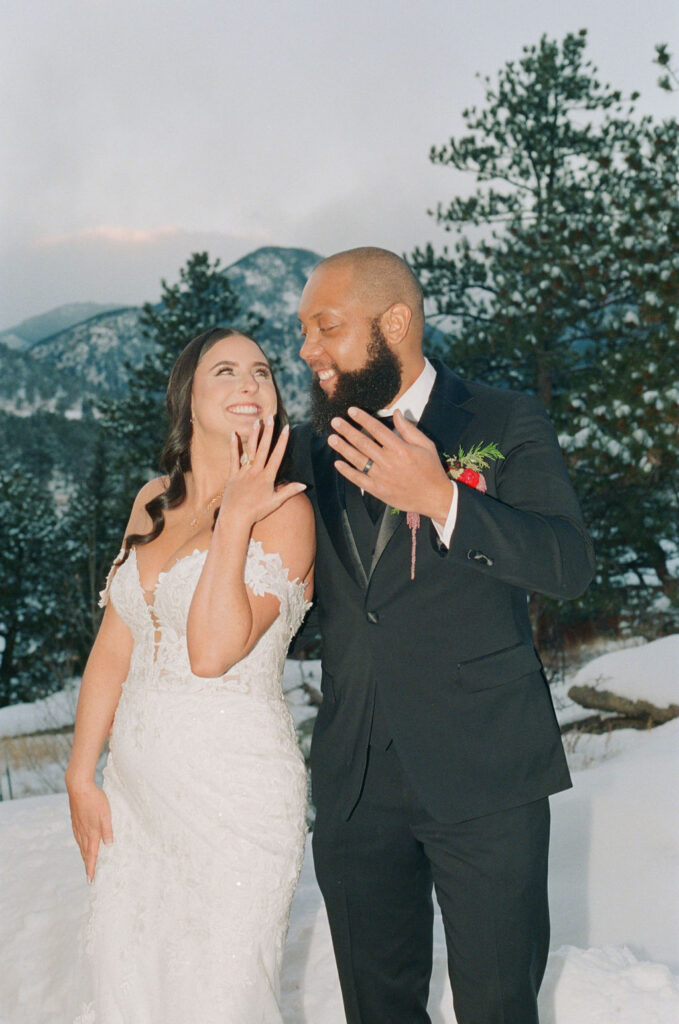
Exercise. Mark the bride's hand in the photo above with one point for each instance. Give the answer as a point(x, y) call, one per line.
point(91, 822)
point(251, 488)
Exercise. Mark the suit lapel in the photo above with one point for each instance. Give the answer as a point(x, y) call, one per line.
point(330, 486)
point(389, 524)
point(444, 421)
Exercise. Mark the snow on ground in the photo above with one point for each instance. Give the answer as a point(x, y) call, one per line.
point(613, 884)
point(614, 858)
point(649, 672)
point(54, 712)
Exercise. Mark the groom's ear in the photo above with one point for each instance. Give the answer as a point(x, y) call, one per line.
point(395, 322)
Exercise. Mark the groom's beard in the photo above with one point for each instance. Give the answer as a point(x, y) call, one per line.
point(371, 388)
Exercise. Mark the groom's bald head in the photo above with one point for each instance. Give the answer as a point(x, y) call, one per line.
point(379, 279)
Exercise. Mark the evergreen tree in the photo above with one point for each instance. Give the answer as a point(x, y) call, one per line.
point(61, 533)
point(202, 298)
point(36, 654)
point(563, 280)
point(89, 532)
point(669, 80)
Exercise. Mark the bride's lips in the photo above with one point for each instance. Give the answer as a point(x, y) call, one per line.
point(247, 409)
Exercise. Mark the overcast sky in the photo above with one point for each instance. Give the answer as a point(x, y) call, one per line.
point(134, 132)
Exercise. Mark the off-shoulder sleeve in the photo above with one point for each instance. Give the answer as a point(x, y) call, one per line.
point(265, 574)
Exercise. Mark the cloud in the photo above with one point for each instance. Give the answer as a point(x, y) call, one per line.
point(104, 264)
point(116, 235)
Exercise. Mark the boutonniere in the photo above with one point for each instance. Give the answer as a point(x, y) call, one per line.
point(465, 468)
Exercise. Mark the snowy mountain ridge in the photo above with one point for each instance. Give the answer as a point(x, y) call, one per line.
point(86, 360)
point(36, 328)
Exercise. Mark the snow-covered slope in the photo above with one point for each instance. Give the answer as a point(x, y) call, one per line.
point(613, 883)
point(649, 672)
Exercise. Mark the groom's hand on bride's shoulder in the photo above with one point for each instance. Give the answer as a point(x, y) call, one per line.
point(400, 467)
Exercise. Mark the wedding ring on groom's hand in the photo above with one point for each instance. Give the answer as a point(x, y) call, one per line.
point(368, 466)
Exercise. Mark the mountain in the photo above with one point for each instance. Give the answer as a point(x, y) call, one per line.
point(38, 327)
point(51, 380)
point(94, 355)
point(77, 366)
point(269, 282)
point(82, 363)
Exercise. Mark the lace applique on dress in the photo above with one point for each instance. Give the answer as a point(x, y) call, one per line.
point(207, 787)
point(115, 565)
point(265, 574)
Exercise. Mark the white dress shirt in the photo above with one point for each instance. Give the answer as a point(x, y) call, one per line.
point(411, 404)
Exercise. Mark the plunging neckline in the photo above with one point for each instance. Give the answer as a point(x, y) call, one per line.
point(151, 591)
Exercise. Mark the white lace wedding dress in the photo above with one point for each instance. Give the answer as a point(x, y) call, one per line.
point(189, 906)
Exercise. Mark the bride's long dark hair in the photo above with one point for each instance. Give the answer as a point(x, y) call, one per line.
point(175, 458)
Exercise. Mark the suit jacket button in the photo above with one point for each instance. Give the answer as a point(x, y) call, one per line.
point(373, 617)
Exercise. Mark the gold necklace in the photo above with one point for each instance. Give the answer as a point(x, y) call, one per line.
point(194, 521)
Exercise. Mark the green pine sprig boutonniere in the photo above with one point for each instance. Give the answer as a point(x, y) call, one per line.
point(467, 467)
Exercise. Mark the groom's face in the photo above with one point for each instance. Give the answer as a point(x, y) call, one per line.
point(345, 348)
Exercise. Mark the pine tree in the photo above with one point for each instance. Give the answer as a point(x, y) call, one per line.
point(563, 280)
point(669, 80)
point(36, 653)
point(202, 298)
point(89, 534)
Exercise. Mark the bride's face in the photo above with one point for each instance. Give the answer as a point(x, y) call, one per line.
point(232, 388)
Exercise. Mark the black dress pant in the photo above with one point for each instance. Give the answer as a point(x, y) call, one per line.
point(376, 872)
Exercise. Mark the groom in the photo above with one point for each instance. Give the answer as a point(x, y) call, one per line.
point(436, 745)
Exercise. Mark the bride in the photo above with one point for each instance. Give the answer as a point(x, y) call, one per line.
point(198, 834)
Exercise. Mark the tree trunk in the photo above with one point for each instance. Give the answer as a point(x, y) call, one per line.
point(7, 664)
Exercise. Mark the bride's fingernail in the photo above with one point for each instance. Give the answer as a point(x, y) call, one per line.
point(269, 420)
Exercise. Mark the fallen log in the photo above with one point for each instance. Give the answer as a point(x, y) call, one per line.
point(604, 700)
point(601, 724)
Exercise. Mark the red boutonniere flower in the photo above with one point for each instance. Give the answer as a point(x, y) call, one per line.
point(467, 467)
point(464, 468)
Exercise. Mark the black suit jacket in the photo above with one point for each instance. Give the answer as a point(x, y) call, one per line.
point(451, 652)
